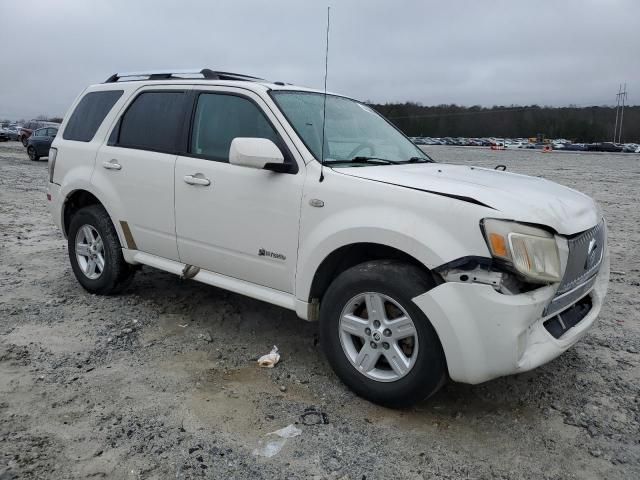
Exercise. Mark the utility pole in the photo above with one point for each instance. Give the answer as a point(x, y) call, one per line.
point(615, 127)
point(621, 97)
point(624, 98)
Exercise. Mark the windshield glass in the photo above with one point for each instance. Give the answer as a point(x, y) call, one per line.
point(353, 131)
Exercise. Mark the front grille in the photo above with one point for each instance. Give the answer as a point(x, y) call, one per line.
point(585, 256)
point(586, 251)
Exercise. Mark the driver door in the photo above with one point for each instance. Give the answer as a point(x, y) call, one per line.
point(235, 220)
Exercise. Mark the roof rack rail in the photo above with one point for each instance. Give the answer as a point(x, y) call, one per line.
point(206, 73)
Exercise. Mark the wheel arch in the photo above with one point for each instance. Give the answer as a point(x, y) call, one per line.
point(80, 198)
point(347, 256)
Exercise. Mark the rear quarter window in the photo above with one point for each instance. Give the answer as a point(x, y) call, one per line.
point(89, 114)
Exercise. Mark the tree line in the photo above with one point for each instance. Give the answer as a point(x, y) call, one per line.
point(22, 121)
point(578, 124)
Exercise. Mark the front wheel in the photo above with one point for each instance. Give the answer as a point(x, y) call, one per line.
point(376, 339)
point(95, 252)
point(24, 141)
point(33, 155)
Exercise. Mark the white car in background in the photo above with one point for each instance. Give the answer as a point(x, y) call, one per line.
point(417, 271)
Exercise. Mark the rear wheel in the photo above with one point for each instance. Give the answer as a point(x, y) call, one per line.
point(33, 155)
point(376, 339)
point(95, 252)
point(24, 141)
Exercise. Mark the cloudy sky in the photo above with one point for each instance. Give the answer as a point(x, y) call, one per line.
point(490, 52)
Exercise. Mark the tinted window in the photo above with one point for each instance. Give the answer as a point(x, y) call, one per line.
point(89, 114)
point(152, 122)
point(113, 137)
point(221, 118)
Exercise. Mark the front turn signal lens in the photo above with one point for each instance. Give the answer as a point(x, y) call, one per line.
point(498, 245)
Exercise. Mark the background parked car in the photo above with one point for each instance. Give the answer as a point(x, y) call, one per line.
point(40, 141)
point(28, 128)
point(12, 132)
point(604, 147)
point(4, 135)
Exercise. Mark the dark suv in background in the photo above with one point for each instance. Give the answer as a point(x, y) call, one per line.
point(39, 142)
point(28, 128)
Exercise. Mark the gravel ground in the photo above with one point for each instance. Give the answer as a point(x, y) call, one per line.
point(161, 382)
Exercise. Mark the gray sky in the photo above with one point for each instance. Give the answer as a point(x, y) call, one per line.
point(549, 52)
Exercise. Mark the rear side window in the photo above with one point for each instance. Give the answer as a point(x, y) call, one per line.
point(221, 118)
point(89, 114)
point(152, 121)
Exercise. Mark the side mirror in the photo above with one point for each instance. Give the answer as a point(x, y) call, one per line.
point(259, 153)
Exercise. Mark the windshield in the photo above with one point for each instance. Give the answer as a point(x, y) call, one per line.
point(354, 133)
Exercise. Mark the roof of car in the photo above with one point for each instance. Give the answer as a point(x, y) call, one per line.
point(195, 77)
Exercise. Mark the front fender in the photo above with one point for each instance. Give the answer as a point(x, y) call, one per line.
point(430, 243)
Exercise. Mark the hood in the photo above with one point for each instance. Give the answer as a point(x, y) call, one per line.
point(517, 197)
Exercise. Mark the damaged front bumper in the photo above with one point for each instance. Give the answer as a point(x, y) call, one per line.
point(486, 334)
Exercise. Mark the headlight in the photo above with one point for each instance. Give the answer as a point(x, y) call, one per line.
point(532, 252)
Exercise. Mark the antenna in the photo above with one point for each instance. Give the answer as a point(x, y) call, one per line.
point(324, 102)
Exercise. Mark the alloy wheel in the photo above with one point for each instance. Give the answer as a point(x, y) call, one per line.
point(90, 252)
point(378, 337)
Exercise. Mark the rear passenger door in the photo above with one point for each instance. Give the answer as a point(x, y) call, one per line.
point(36, 138)
point(48, 140)
point(244, 222)
point(136, 168)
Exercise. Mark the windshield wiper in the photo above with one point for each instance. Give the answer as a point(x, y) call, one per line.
point(419, 160)
point(371, 160)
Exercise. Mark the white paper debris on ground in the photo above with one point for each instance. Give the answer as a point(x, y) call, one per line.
point(289, 431)
point(270, 447)
point(270, 359)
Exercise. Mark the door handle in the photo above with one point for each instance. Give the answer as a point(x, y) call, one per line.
point(112, 165)
point(197, 179)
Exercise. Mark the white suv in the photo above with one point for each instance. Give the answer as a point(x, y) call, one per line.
point(417, 271)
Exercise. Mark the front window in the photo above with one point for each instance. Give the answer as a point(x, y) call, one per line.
point(220, 118)
point(354, 133)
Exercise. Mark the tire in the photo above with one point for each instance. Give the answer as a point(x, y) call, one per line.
point(396, 284)
point(115, 274)
point(31, 151)
point(24, 141)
